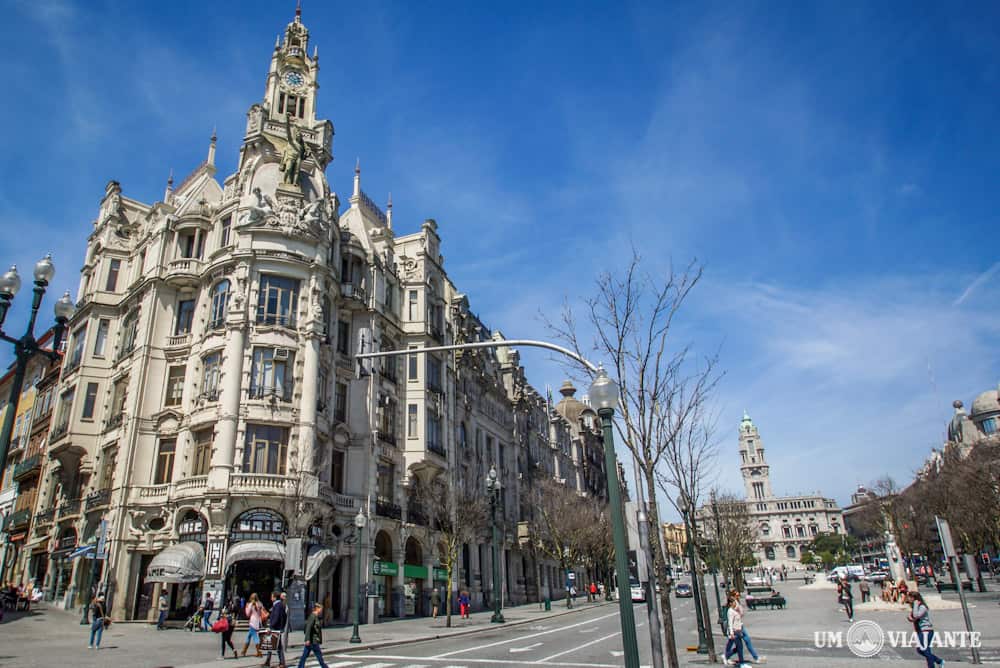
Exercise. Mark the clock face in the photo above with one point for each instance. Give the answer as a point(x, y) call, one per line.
point(294, 79)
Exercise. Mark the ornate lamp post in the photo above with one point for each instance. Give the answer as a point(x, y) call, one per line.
point(359, 527)
point(26, 347)
point(684, 505)
point(604, 395)
point(723, 621)
point(493, 489)
point(569, 581)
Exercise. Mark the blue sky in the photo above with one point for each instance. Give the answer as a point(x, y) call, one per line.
point(832, 164)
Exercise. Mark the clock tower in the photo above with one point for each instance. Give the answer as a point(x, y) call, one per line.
point(756, 472)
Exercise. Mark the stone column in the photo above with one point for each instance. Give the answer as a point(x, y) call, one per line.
point(224, 452)
point(307, 415)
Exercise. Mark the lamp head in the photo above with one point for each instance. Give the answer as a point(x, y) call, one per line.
point(44, 269)
point(682, 503)
point(65, 308)
point(360, 520)
point(492, 475)
point(10, 282)
point(604, 391)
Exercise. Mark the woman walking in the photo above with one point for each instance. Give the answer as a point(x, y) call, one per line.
point(735, 595)
point(228, 617)
point(255, 613)
point(735, 625)
point(846, 598)
point(97, 614)
point(921, 619)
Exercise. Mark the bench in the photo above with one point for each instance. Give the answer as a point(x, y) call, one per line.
point(771, 602)
point(759, 590)
point(950, 586)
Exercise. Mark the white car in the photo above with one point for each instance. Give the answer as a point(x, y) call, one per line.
point(638, 592)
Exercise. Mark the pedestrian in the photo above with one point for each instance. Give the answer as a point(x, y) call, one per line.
point(278, 620)
point(97, 622)
point(846, 598)
point(921, 619)
point(593, 592)
point(313, 637)
point(735, 643)
point(206, 618)
point(226, 616)
point(435, 602)
point(865, 589)
point(255, 613)
point(164, 607)
point(288, 626)
point(463, 604)
point(735, 595)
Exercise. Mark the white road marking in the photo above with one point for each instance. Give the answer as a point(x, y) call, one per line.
point(590, 630)
point(493, 662)
point(527, 637)
point(377, 665)
point(579, 647)
point(614, 653)
point(341, 664)
point(538, 627)
point(526, 649)
point(416, 665)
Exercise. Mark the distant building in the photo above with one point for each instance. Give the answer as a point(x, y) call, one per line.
point(675, 544)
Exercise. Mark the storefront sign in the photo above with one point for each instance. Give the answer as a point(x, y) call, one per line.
point(415, 572)
point(384, 568)
point(213, 561)
point(441, 574)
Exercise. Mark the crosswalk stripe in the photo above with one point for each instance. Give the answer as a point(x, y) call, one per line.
point(380, 665)
point(341, 664)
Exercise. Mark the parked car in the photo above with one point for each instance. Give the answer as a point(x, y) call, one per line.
point(876, 576)
point(683, 590)
point(756, 582)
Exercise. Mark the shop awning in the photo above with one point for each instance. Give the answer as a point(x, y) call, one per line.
point(83, 551)
point(249, 550)
point(314, 561)
point(183, 562)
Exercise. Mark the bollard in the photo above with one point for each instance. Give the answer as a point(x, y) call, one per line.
point(548, 604)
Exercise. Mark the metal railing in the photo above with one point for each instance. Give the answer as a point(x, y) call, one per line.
point(281, 392)
point(27, 466)
point(71, 507)
point(98, 499)
point(385, 508)
point(45, 517)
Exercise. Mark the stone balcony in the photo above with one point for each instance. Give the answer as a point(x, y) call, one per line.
point(193, 486)
point(28, 466)
point(99, 499)
point(338, 500)
point(262, 483)
point(184, 271)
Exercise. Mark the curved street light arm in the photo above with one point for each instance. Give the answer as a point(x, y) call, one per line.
point(506, 343)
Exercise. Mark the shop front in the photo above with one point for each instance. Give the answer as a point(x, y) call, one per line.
point(384, 573)
point(178, 570)
point(255, 560)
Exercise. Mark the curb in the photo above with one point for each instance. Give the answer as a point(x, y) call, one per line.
point(354, 649)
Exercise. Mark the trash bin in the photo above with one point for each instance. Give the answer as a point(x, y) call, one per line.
point(548, 604)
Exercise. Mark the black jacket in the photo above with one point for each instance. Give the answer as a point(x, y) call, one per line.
point(279, 616)
point(314, 630)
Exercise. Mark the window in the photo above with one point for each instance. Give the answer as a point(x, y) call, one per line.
point(211, 365)
point(76, 355)
point(65, 405)
point(411, 421)
point(202, 460)
point(337, 471)
point(433, 373)
point(265, 449)
point(434, 433)
point(390, 301)
point(786, 531)
point(340, 403)
point(291, 104)
point(164, 472)
point(106, 480)
point(113, 268)
point(813, 530)
point(101, 340)
point(790, 551)
point(769, 553)
point(463, 436)
point(800, 531)
point(412, 308)
point(175, 386)
point(271, 374)
point(130, 328)
point(322, 389)
point(389, 363)
point(386, 482)
point(765, 530)
point(192, 245)
point(278, 300)
point(990, 426)
point(412, 366)
point(118, 398)
point(387, 419)
point(220, 300)
point(343, 337)
point(225, 228)
point(185, 317)
point(89, 402)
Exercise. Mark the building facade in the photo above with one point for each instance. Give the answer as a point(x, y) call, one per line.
point(787, 524)
point(675, 544)
point(212, 418)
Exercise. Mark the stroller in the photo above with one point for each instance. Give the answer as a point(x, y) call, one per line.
point(193, 622)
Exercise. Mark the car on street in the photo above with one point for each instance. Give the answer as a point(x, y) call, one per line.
point(683, 590)
point(876, 576)
point(638, 591)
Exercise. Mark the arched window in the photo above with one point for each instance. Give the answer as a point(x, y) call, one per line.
point(463, 436)
point(130, 327)
point(769, 553)
point(259, 524)
point(790, 551)
point(765, 530)
point(193, 528)
point(220, 301)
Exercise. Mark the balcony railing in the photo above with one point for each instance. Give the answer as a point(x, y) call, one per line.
point(191, 485)
point(98, 499)
point(45, 517)
point(354, 292)
point(71, 507)
point(342, 501)
point(386, 436)
point(437, 449)
point(415, 514)
point(16, 520)
point(385, 508)
point(114, 421)
point(16, 443)
point(276, 319)
point(209, 396)
point(58, 431)
point(72, 365)
point(262, 482)
point(279, 392)
point(178, 340)
point(29, 465)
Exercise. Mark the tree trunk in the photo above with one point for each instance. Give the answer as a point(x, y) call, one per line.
point(660, 568)
point(449, 590)
point(706, 614)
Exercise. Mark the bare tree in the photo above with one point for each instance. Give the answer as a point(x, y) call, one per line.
point(457, 514)
point(662, 387)
point(734, 535)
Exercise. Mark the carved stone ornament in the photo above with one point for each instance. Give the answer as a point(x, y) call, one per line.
point(288, 216)
point(255, 119)
point(409, 266)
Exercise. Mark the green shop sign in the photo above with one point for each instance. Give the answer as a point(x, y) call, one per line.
point(441, 574)
point(384, 568)
point(414, 572)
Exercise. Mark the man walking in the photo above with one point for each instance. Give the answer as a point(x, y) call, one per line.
point(163, 606)
point(278, 620)
point(865, 591)
point(314, 637)
point(206, 617)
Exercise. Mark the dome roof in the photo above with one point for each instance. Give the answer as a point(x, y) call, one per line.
point(746, 424)
point(570, 407)
point(987, 402)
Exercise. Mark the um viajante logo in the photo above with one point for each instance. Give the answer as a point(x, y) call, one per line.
point(866, 639)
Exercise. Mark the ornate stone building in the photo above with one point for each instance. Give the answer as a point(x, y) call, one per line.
point(211, 412)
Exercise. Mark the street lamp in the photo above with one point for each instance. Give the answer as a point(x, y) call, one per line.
point(569, 582)
point(604, 395)
point(685, 506)
point(27, 347)
point(723, 621)
point(493, 489)
point(359, 526)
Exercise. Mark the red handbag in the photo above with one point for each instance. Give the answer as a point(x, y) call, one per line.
point(220, 625)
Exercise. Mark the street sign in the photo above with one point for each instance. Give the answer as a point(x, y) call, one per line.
point(102, 541)
point(944, 533)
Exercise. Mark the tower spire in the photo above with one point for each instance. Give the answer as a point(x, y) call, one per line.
point(298, 11)
point(170, 186)
point(211, 149)
point(388, 212)
point(357, 179)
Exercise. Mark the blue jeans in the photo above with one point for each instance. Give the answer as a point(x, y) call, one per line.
point(735, 645)
point(96, 631)
point(315, 649)
point(749, 645)
point(162, 618)
point(924, 649)
point(206, 620)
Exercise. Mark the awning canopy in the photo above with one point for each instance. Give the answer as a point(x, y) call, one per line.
point(314, 561)
point(247, 550)
point(183, 562)
point(83, 551)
